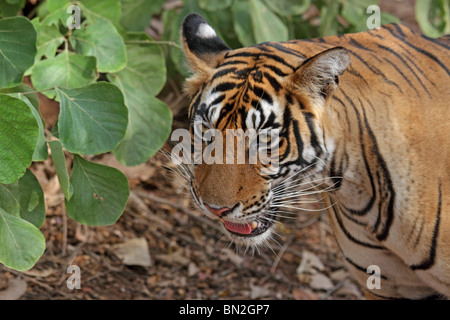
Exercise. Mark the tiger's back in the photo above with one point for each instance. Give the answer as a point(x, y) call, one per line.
point(397, 89)
point(365, 114)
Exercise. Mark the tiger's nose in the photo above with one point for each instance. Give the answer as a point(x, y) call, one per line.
point(217, 211)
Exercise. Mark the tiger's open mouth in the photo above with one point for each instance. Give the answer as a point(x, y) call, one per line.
point(249, 229)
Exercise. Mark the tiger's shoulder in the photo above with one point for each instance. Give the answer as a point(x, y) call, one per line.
point(393, 58)
point(391, 36)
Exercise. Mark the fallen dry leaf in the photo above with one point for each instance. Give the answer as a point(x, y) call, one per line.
point(40, 273)
point(310, 263)
point(233, 257)
point(192, 269)
point(174, 258)
point(320, 281)
point(133, 252)
point(304, 294)
point(349, 289)
point(258, 292)
point(16, 288)
point(135, 174)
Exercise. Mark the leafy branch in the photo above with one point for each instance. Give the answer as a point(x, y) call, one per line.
point(121, 115)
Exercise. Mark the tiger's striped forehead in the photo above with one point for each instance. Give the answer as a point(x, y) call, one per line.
point(247, 89)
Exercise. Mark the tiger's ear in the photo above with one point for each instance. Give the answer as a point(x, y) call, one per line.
point(318, 76)
point(202, 46)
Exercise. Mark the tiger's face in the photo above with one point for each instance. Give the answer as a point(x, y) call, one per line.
point(235, 183)
point(256, 115)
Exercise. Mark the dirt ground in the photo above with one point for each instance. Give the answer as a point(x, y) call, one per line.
point(163, 248)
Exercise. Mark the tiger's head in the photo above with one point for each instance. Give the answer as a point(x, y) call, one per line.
point(276, 93)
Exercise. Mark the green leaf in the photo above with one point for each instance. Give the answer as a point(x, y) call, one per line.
point(27, 94)
point(105, 9)
point(66, 70)
point(32, 205)
point(136, 14)
point(387, 18)
point(22, 244)
point(174, 19)
point(59, 161)
point(214, 5)
point(100, 193)
point(328, 18)
point(24, 93)
point(150, 120)
point(10, 9)
point(150, 123)
point(433, 17)
point(353, 13)
point(266, 25)
point(23, 90)
point(92, 119)
point(48, 40)
point(289, 8)
point(55, 5)
point(57, 12)
point(10, 198)
point(101, 40)
point(17, 50)
point(146, 68)
point(242, 23)
point(24, 199)
point(19, 133)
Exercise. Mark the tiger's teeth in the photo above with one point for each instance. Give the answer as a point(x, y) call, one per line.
point(254, 225)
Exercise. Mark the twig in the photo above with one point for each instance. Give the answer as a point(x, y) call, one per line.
point(169, 43)
point(137, 204)
point(69, 262)
point(333, 290)
point(31, 279)
point(64, 235)
point(281, 252)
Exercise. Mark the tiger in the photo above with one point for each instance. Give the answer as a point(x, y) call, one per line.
point(363, 118)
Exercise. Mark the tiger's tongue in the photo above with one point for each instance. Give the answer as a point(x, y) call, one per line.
point(245, 228)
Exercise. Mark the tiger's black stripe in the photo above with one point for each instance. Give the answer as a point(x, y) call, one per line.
point(375, 70)
point(369, 205)
point(429, 261)
point(401, 36)
point(387, 182)
point(437, 42)
point(399, 70)
point(313, 139)
point(299, 142)
point(271, 56)
point(350, 236)
point(357, 266)
point(281, 48)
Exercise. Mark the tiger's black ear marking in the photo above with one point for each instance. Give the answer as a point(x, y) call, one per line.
point(202, 46)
